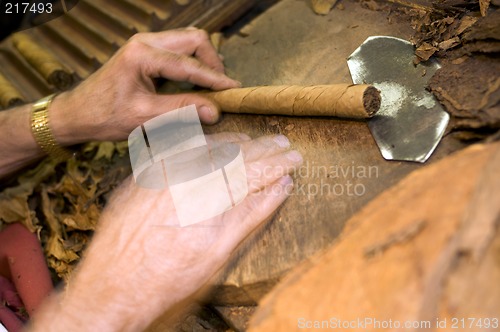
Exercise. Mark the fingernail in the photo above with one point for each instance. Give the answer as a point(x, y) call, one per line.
point(282, 141)
point(294, 156)
point(221, 57)
point(207, 111)
point(238, 83)
point(286, 180)
point(244, 137)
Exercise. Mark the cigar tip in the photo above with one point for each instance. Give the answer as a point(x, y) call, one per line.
point(371, 100)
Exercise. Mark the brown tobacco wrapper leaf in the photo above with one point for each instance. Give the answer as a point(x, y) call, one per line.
point(338, 100)
point(9, 95)
point(42, 61)
point(14, 205)
point(449, 43)
point(425, 51)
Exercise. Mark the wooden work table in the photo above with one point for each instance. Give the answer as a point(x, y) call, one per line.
point(343, 168)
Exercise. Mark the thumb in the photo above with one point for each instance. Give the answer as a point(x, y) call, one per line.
point(208, 111)
point(254, 210)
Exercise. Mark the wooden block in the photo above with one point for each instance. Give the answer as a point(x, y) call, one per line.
point(425, 250)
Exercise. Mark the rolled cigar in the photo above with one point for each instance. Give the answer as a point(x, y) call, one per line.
point(42, 61)
point(338, 100)
point(9, 95)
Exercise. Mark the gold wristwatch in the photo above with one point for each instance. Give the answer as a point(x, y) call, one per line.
point(42, 132)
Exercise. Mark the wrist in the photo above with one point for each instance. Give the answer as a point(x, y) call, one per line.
point(69, 126)
point(104, 297)
point(17, 153)
point(88, 307)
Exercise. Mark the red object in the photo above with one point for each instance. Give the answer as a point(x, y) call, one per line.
point(9, 302)
point(23, 266)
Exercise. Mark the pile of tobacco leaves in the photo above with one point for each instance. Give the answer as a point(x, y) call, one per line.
point(61, 202)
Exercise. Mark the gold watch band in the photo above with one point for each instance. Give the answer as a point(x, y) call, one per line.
point(42, 132)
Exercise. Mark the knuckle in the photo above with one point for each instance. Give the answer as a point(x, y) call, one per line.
point(136, 37)
point(131, 49)
point(188, 65)
point(202, 35)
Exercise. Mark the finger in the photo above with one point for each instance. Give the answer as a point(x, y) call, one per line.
point(263, 172)
point(188, 41)
point(182, 68)
point(249, 214)
point(264, 146)
point(208, 111)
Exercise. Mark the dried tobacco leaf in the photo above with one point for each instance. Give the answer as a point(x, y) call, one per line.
point(323, 7)
point(14, 200)
point(105, 150)
point(82, 218)
point(14, 209)
point(76, 241)
point(450, 43)
point(62, 269)
point(78, 198)
point(121, 148)
point(486, 28)
point(54, 246)
point(465, 23)
point(425, 51)
point(483, 6)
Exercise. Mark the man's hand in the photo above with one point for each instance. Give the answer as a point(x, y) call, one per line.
point(121, 94)
point(140, 264)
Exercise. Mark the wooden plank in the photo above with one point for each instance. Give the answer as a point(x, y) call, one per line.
point(426, 250)
point(343, 169)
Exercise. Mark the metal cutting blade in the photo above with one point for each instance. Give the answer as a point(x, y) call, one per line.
point(410, 122)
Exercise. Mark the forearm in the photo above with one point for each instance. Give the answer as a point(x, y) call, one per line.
point(18, 147)
point(90, 307)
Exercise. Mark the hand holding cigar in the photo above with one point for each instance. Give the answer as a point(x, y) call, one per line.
point(338, 100)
